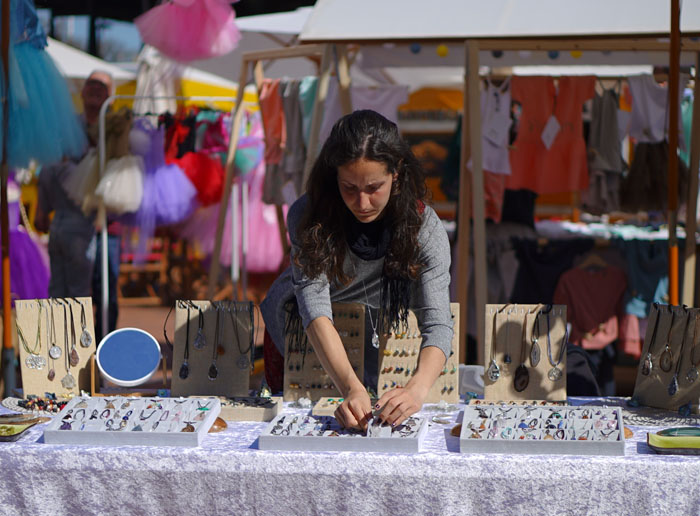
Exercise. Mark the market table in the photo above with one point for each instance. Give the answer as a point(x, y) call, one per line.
point(229, 475)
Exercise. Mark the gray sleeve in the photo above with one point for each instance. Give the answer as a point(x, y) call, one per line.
point(431, 297)
point(313, 295)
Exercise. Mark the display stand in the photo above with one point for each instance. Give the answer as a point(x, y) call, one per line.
point(667, 376)
point(511, 333)
point(304, 376)
point(54, 331)
point(212, 354)
point(398, 361)
point(250, 408)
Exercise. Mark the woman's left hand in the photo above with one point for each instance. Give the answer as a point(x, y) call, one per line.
point(398, 404)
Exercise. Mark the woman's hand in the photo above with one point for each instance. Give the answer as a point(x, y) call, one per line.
point(398, 404)
point(356, 409)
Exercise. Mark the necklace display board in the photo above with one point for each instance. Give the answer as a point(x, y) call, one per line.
point(398, 360)
point(304, 376)
point(250, 408)
point(525, 352)
point(57, 341)
point(298, 432)
point(212, 350)
point(122, 421)
point(546, 430)
point(667, 376)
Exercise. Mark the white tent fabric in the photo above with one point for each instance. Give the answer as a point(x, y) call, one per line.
point(290, 23)
point(340, 20)
point(76, 64)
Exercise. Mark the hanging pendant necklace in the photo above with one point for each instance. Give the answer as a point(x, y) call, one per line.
point(54, 351)
point(673, 386)
point(494, 372)
point(52, 373)
point(85, 337)
point(67, 381)
point(51, 340)
point(692, 373)
point(506, 358)
point(555, 373)
point(213, 371)
point(535, 353)
point(648, 363)
point(74, 358)
point(666, 361)
point(243, 362)
point(522, 376)
point(185, 367)
point(373, 323)
point(200, 340)
point(33, 359)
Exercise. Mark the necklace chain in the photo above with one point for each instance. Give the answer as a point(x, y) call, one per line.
point(562, 350)
point(37, 343)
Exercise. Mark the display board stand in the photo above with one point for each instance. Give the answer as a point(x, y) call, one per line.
point(511, 333)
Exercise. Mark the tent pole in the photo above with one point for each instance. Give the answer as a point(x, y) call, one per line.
point(8, 353)
point(674, 71)
point(233, 143)
point(477, 194)
point(690, 216)
point(344, 79)
point(463, 219)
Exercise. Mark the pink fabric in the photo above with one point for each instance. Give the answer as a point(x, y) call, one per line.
point(186, 30)
point(594, 304)
point(630, 336)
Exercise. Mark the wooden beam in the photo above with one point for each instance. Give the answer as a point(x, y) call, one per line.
point(284, 53)
point(477, 194)
point(463, 220)
point(228, 180)
point(344, 79)
point(690, 215)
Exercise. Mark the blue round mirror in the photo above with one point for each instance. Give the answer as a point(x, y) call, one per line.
point(128, 357)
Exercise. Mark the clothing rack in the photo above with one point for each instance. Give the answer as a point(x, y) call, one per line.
point(327, 54)
point(102, 214)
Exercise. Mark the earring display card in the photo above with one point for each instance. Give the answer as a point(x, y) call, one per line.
point(304, 376)
point(525, 352)
point(212, 354)
point(250, 408)
point(119, 421)
point(294, 432)
point(56, 339)
point(542, 430)
point(667, 376)
point(398, 360)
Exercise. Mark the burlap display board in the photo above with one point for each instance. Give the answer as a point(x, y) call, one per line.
point(304, 376)
point(220, 364)
point(56, 324)
point(509, 334)
point(672, 388)
point(398, 359)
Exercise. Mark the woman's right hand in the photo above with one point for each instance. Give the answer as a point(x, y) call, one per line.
point(356, 409)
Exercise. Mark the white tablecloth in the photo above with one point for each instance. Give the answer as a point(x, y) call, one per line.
point(229, 475)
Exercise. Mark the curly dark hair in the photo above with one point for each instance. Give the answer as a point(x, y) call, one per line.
point(322, 229)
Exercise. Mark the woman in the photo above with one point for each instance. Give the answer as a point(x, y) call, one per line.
point(362, 233)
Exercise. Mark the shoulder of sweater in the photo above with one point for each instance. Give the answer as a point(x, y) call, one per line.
point(296, 211)
point(430, 222)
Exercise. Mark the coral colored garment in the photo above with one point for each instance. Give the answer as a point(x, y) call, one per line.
point(562, 167)
point(594, 304)
point(273, 120)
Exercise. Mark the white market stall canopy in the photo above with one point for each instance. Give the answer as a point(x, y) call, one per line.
point(412, 20)
point(76, 64)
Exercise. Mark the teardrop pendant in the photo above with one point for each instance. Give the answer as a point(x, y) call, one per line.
point(493, 372)
point(85, 339)
point(666, 360)
point(375, 340)
point(184, 370)
point(673, 386)
point(51, 375)
point(199, 341)
point(213, 372)
point(522, 378)
point(647, 365)
point(692, 375)
point(74, 358)
point(535, 354)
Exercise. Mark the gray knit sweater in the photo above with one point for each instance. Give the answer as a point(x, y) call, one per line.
point(430, 299)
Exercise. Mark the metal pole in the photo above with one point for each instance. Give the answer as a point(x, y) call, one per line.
point(234, 240)
point(673, 78)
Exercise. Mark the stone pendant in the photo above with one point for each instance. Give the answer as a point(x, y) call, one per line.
point(200, 341)
point(55, 352)
point(522, 378)
point(493, 372)
point(692, 375)
point(375, 339)
point(554, 374)
point(666, 360)
point(213, 372)
point(507, 359)
point(673, 386)
point(535, 354)
point(51, 375)
point(184, 370)
point(68, 381)
point(74, 358)
point(85, 339)
point(647, 365)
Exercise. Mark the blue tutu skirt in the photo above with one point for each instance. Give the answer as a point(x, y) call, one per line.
point(43, 124)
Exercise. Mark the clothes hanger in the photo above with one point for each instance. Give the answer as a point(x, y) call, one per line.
point(593, 261)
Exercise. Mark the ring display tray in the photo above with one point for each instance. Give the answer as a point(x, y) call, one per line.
point(298, 432)
point(538, 430)
point(327, 406)
point(119, 421)
point(250, 408)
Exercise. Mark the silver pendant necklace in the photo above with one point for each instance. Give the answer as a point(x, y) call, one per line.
point(648, 363)
point(185, 367)
point(673, 386)
point(54, 351)
point(85, 337)
point(200, 340)
point(692, 373)
point(493, 372)
point(33, 360)
point(213, 370)
point(67, 381)
point(666, 360)
point(555, 373)
point(372, 322)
